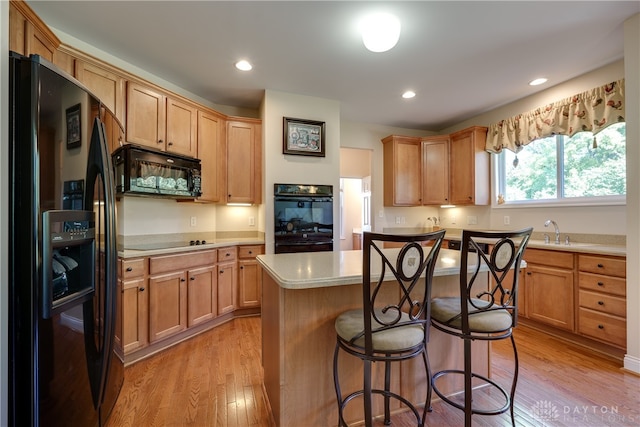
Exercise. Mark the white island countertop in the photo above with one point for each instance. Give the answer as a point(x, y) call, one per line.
point(323, 269)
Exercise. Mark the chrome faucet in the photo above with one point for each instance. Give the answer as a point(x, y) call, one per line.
point(550, 221)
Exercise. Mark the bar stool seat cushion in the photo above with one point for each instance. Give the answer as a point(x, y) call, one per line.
point(351, 323)
point(495, 320)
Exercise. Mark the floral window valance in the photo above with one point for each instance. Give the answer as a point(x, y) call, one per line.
point(591, 111)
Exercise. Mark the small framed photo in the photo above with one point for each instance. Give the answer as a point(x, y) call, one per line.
point(303, 137)
point(74, 131)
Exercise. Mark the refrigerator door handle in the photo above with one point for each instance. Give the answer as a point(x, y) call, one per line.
point(99, 344)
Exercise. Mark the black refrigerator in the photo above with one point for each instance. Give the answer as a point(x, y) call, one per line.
point(65, 355)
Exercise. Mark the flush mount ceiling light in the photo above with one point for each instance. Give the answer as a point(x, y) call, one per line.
point(244, 65)
point(409, 94)
point(537, 82)
point(380, 32)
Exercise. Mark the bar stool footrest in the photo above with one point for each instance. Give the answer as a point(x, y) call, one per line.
point(485, 380)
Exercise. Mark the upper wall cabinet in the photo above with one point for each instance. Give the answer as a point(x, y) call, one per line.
point(107, 85)
point(469, 169)
point(402, 171)
point(158, 121)
point(435, 170)
point(28, 34)
point(244, 161)
point(212, 155)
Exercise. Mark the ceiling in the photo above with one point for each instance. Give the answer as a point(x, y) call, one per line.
point(461, 58)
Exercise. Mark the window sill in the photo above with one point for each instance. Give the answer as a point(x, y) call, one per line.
point(605, 201)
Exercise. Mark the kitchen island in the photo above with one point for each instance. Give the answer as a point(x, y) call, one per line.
point(302, 295)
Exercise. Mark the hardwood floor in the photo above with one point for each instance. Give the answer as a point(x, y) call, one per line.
point(214, 379)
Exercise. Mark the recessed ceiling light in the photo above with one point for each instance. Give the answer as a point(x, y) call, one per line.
point(537, 82)
point(243, 65)
point(380, 32)
point(408, 94)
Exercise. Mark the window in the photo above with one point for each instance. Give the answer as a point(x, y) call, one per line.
point(562, 169)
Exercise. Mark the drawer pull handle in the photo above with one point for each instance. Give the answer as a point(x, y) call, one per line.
point(250, 252)
point(600, 302)
point(528, 273)
point(129, 268)
point(600, 266)
point(600, 284)
point(141, 289)
point(600, 326)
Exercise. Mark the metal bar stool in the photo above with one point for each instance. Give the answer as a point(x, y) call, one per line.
point(483, 312)
point(386, 330)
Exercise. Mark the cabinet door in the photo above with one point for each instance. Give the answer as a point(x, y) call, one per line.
point(134, 315)
point(37, 43)
point(16, 30)
point(402, 171)
point(244, 164)
point(145, 116)
point(550, 296)
point(249, 284)
point(167, 305)
point(227, 287)
point(201, 295)
point(182, 119)
point(435, 170)
point(469, 167)
point(211, 152)
point(105, 84)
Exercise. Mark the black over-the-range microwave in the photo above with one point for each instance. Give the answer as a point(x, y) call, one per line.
point(144, 171)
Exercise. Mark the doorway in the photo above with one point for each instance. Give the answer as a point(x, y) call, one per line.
point(355, 196)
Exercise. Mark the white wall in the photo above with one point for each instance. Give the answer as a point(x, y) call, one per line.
point(291, 169)
point(632, 97)
point(352, 188)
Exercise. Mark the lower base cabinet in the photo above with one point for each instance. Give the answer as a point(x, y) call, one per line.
point(165, 295)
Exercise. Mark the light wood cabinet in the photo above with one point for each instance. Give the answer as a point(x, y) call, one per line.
point(602, 312)
point(212, 155)
point(167, 305)
point(201, 295)
point(106, 84)
point(249, 276)
point(133, 304)
point(28, 34)
point(549, 286)
point(402, 171)
point(244, 161)
point(227, 280)
point(469, 166)
point(160, 122)
point(435, 170)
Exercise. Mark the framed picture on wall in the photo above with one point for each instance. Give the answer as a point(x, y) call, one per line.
point(303, 137)
point(74, 130)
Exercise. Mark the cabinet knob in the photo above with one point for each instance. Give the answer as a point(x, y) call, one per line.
point(250, 252)
point(600, 326)
point(182, 280)
point(192, 278)
point(141, 289)
point(528, 273)
point(242, 267)
point(129, 269)
point(600, 266)
point(600, 302)
point(600, 284)
point(221, 271)
point(170, 143)
point(160, 141)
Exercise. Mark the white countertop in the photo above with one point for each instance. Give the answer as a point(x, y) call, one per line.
point(324, 269)
point(217, 243)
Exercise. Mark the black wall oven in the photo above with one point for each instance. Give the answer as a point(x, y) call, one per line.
point(303, 218)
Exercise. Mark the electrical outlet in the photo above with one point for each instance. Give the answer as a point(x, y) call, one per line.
point(453, 219)
point(397, 220)
point(193, 221)
point(381, 213)
point(252, 221)
point(472, 220)
point(507, 220)
point(402, 220)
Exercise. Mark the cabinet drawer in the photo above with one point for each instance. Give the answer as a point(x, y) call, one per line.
point(603, 303)
point(549, 258)
point(602, 265)
point(249, 252)
point(227, 254)
point(131, 268)
point(185, 261)
point(600, 283)
point(603, 327)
